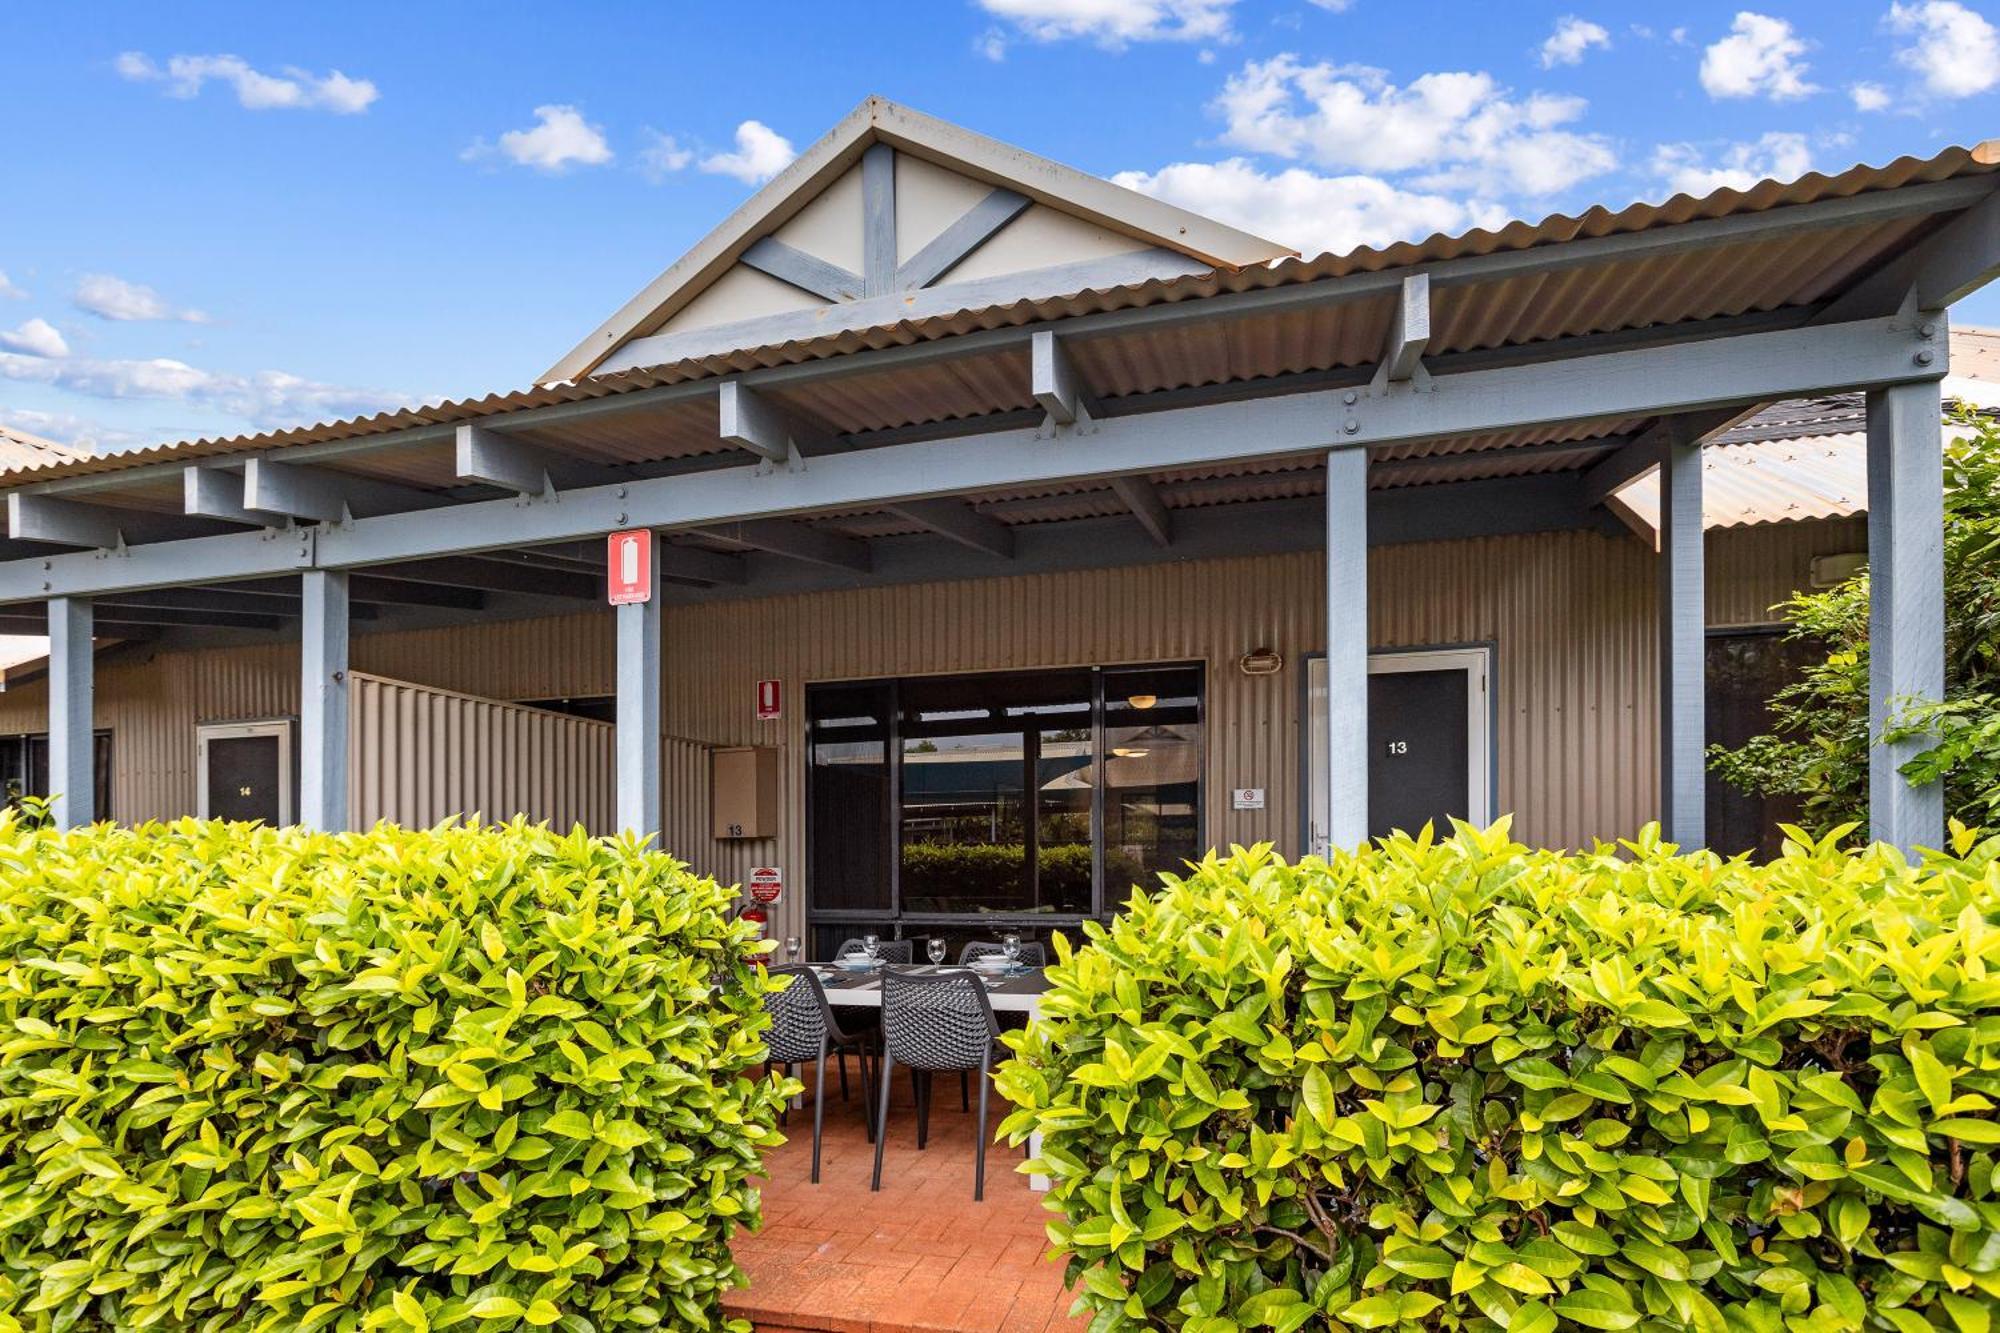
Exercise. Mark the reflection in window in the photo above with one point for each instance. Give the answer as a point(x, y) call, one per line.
point(1045, 793)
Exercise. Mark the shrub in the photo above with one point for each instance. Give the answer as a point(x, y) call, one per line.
point(471, 1078)
point(1818, 744)
point(1464, 1084)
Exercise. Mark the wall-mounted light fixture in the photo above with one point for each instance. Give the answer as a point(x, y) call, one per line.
point(1261, 662)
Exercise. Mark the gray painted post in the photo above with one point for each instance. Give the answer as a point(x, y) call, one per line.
point(72, 749)
point(1347, 648)
point(1683, 646)
point(1906, 601)
point(323, 700)
point(637, 742)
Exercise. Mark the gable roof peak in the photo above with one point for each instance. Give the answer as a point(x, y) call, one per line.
point(1025, 178)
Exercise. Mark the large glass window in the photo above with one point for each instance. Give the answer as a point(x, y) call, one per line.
point(1035, 796)
point(24, 770)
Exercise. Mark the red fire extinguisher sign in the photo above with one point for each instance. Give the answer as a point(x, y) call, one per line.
point(628, 573)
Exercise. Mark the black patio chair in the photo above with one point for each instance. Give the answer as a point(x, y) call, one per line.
point(941, 1022)
point(1032, 953)
point(803, 1028)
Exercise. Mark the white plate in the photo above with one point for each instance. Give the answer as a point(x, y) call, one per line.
point(854, 962)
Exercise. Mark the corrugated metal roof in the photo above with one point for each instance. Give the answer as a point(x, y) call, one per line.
point(1772, 273)
point(1808, 458)
point(22, 452)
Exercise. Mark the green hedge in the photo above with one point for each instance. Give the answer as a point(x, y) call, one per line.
point(1472, 1085)
point(464, 1078)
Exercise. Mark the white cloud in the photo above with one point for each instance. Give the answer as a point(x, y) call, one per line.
point(992, 44)
point(1774, 156)
point(9, 290)
point(662, 156)
point(1954, 50)
point(1762, 56)
point(1334, 6)
point(1573, 36)
point(294, 90)
point(559, 139)
point(1869, 96)
point(36, 337)
point(268, 398)
point(110, 297)
point(1112, 24)
point(761, 153)
point(1313, 213)
point(1464, 129)
point(76, 431)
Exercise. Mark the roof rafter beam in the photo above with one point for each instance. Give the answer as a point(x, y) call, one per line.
point(211, 492)
point(44, 518)
point(245, 601)
point(1643, 453)
point(970, 230)
point(1959, 258)
point(297, 490)
point(798, 541)
point(748, 420)
point(1409, 333)
point(962, 523)
point(491, 573)
point(1142, 497)
point(487, 457)
point(1054, 380)
point(809, 273)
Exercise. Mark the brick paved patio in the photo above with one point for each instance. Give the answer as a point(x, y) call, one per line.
point(921, 1256)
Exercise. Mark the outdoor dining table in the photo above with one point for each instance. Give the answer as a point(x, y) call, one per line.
point(1017, 992)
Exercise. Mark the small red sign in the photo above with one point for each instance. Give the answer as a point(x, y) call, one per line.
point(628, 574)
point(769, 701)
point(767, 884)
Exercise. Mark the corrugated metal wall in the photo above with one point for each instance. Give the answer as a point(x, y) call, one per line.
point(420, 755)
point(1570, 616)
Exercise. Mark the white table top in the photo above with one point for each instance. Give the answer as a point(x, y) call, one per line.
point(1008, 995)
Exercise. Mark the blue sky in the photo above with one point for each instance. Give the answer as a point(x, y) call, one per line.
point(230, 217)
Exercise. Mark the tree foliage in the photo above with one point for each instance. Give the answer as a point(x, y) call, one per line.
point(1817, 747)
point(471, 1078)
point(1464, 1084)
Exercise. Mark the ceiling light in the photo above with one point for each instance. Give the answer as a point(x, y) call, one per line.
point(1142, 700)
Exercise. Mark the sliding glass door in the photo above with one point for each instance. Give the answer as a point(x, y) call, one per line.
point(958, 804)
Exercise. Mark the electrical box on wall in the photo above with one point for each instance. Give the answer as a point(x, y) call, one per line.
point(743, 791)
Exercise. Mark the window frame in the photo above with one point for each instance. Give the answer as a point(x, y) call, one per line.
point(894, 918)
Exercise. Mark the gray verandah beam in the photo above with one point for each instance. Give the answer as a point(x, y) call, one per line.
point(1641, 382)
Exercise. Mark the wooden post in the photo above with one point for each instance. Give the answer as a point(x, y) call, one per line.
point(1347, 648)
point(323, 701)
point(637, 742)
point(72, 739)
point(1906, 601)
point(1683, 647)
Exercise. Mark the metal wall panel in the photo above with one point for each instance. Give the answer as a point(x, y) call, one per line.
point(1570, 616)
point(421, 755)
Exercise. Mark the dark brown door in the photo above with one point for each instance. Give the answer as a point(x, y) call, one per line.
point(244, 773)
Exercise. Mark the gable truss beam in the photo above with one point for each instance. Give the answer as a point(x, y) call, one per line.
point(809, 273)
point(45, 518)
point(962, 523)
point(297, 490)
point(878, 220)
point(799, 541)
point(970, 230)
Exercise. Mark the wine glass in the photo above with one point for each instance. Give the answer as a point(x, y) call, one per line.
point(935, 949)
point(872, 946)
point(791, 948)
point(1011, 942)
